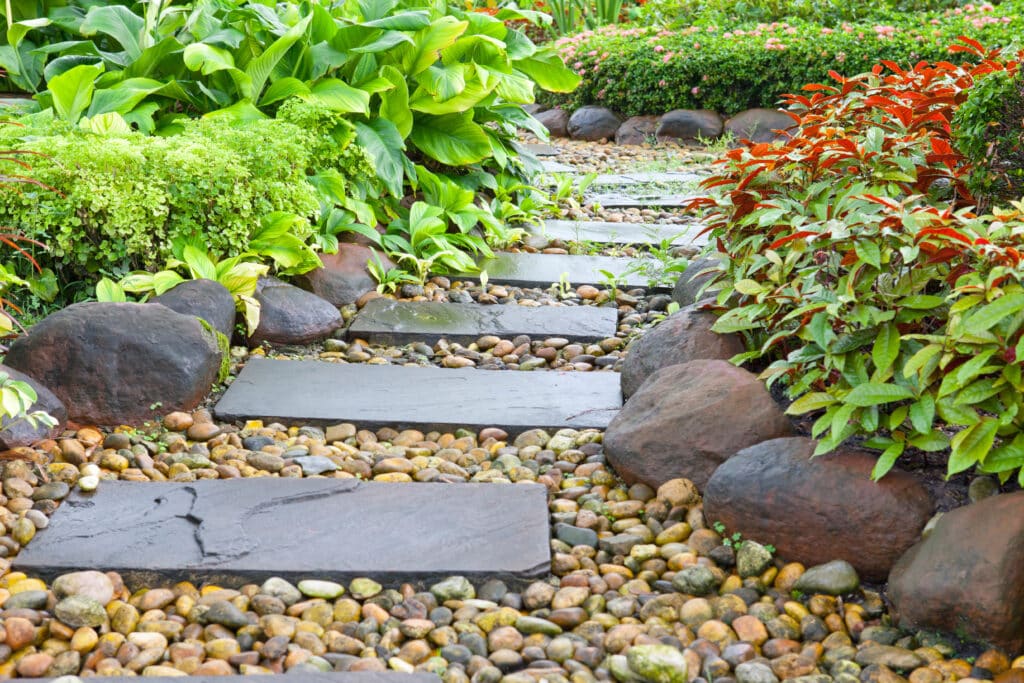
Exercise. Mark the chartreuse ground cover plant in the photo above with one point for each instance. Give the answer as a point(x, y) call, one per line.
point(862, 278)
point(432, 93)
point(637, 70)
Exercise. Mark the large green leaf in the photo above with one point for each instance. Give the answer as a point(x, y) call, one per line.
point(340, 96)
point(259, 69)
point(124, 96)
point(472, 94)
point(970, 446)
point(394, 103)
point(549, 72)
point(876, 393)
point(72, 90)
point(452, 139)
point(208, 59)
point(119, 23)
point(443, 82)
point(439, 35)
point(991, 314)
point(381, 139)
point(283, 89)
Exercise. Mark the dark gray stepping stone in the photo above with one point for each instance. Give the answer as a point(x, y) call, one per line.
point(541, 149)
point(544, 270)
point(624, 200)
point(643, 177)
point(373, 396)
point(383, 321)
point(549, 166)
point(248, 530)
point(622, 233)
point(305, 677)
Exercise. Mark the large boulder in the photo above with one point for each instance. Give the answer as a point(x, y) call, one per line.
point(120, 363)
point(968, 574)
point(759, 125)
point(206, 299)
point(344, 277)
point(680, 338)
point(17, 433)
point(593, 123)
point(556, 121)
point(637, 130)
point(698, 273)
point(289, 315)
point(820, 509)
point(689, 125)
point(687, 419)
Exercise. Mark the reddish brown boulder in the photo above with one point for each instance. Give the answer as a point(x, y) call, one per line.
point(289, 315)
point(637, 130)
point(821, 509)
point(556, 121)
point(687, 125)
point(680, 338)
point(120, 363)
point(968, 575)
point(344, 276)
point(759, 125)
point(687, 419)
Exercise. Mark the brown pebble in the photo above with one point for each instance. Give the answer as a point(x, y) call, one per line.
point(203, 431)
point(178, 421)
point(20, 632)
point(34, 665)
point(992, 660)
point(214, 667)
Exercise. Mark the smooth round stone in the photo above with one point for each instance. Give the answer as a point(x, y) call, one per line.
point(315, 464)
point(328, 590)
point(531, 625)
point(30, 599)
point(226, 614)
point(832, 578)
point(54, 490)
point(453, 588)
point(91, 584)
point(281, 589)
point(363, 588)
point(661, 663)
point(78, 610)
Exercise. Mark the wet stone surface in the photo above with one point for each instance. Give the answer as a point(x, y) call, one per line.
point(621, 233)
point(542, 270)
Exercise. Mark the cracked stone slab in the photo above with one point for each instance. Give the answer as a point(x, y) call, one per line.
point(384, 321)
point(427, 398)
point(247, 530)
point(305, 677)
point(544, 270)
point(625, 200)
point(622, 233)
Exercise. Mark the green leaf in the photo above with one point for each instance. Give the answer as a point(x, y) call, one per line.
point(991, 314)
point(922, 302)
point(452, 139)
point(208, 59)
point(124, 96)
point(886, 348)
point(199, 263)
point(1007, 457)
point(384, 144)
point(108, 290)
point(931, 442)
point(921, 358)
point(429, 41)
point(970, 446)
point(887, 460)
point(549, 73)
point(260, 68)
point(72, 90)
point(875, 393)
point(810, 402)
point(394, 103)
point(340, 96)
point(243, 110)
point(283, 89)
point(165, 281)
point(119, 23)
point(922, 414)
point(869, 253)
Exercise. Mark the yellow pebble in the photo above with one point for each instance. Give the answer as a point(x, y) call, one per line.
point(206, 590)
point(253, 425)
point(13, 578)
point(84, 640)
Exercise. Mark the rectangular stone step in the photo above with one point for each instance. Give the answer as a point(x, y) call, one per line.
point(544, 270)
point(373, 396)
point(540, 149)
point(549, 166)
point(240, 531)
point(625, 200)
point(622, 233)
point(647, 177)
point(383, 321)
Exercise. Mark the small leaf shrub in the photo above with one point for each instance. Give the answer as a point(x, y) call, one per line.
point(637, 70)
point(989, 130)
point(859, 274)
point(123, 199)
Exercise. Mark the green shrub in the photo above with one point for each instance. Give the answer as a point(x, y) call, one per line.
point(635, 70)
point(885, 306)
point(121, 199)
point(989, 130)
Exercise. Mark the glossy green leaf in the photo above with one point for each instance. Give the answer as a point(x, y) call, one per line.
point(992, 313)
point(970, 446)
point(72, 91)
point(381, 139)
point(452, 139)
point(875, 393)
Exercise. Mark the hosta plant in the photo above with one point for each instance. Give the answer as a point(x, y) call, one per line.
point(862, 279)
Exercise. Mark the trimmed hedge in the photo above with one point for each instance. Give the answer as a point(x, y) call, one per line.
point(634, 70)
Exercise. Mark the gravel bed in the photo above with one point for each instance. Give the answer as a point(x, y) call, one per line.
point(639, 582)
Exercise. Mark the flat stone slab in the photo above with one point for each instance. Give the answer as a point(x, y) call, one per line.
point(622, 233)
point(383, 321)
point(304, 677)
point(539, 149)
point(543, 270)
point(247, 530)
point(549, 166)
point(646, 177)
point(625, 200)
point(374, 396)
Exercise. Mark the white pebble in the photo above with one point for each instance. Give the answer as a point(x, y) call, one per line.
point(90, 470)
point(89, 483)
